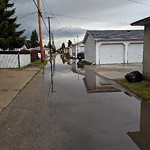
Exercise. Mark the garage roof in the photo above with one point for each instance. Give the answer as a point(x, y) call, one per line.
point(141, 22)
point(113, 35)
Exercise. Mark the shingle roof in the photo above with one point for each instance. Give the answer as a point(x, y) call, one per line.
point(109, 35)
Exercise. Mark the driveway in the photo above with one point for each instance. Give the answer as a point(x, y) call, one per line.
point(116, 71)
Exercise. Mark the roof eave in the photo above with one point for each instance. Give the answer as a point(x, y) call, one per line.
point(141, 22)
point(113, 40)
point(86, 35)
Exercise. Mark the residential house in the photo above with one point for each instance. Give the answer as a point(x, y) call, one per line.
point(146, 55)
point(113, 46)
point(76, 48)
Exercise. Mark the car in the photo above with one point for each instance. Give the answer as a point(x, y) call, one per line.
point(81, 55)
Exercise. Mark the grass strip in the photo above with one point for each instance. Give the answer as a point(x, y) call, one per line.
point(141, 89)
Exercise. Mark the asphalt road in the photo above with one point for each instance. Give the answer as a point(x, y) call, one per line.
point(59, 114)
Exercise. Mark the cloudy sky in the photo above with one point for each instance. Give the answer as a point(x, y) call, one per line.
point(71, 18)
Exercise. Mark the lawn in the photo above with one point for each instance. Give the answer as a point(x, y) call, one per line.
point(141, 89)
point(38, 63)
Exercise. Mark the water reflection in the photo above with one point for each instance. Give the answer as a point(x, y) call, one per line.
point(65, 59)
point(94, 83)
point(52, 63)
point(89, 121)
point(142, 137)
point(75, 67)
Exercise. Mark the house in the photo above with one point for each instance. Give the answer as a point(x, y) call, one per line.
point(76, 48)
point(146, 55)
point(113, 46)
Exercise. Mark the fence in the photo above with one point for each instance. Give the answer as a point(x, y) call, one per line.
point(14, 59)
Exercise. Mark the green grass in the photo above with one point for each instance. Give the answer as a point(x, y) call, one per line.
point(141, 89)
point(36, 63)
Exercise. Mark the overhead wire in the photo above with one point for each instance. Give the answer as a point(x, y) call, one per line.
point(66, 32)
point(134, 1)
point(26, 15)
point(89, 19)
point(41, 15)
point(44, 9)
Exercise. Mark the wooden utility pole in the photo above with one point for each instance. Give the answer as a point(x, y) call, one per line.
point(49, 25)
point(40, 32)
point(50, 46)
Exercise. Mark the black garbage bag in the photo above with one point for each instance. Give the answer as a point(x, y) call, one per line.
point(134, 76)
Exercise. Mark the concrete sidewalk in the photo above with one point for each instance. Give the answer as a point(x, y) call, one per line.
point(12, 81)
point(117, 71)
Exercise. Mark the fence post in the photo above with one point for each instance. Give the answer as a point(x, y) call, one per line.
point(18, 60)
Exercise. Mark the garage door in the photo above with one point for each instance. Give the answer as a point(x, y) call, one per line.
point(111, 53)
point(135, 53)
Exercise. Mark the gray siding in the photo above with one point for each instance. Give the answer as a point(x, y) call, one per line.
point(90, 50)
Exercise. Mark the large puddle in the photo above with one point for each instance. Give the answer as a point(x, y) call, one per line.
point(88, 113)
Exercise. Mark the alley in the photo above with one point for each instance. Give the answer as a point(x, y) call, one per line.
point(57, 112)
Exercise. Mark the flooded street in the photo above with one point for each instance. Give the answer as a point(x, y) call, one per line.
point(87, 113)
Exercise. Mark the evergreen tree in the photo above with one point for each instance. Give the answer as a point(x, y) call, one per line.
point(9, 37)
point(34, 39)
point(28, 44)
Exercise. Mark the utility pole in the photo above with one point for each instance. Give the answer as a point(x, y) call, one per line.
point(40, 32)
point(49, 25)
point(50, 46)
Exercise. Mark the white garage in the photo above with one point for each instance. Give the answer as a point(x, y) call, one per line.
point(113, 46)
point(135, 52)
point(111, 53)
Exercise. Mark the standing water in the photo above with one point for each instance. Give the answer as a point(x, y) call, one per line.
point(87, 113)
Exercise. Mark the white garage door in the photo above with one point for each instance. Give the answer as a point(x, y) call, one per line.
point(111, 53)
point(135, 53)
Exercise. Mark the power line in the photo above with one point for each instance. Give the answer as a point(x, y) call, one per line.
point(89, 19)
point(67, 33)
point(41, 15)
point(44, 9)
point(134, 1)
point(26, 15)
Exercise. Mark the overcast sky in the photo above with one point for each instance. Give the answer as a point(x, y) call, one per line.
point(74, 17)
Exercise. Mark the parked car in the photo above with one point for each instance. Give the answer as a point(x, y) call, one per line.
point(81, 55)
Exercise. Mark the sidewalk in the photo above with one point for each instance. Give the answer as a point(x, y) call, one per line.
point(12, 81)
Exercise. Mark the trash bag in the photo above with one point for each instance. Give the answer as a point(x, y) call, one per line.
point(134, 76)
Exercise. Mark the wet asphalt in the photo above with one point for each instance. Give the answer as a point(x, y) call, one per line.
point(59, 113)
